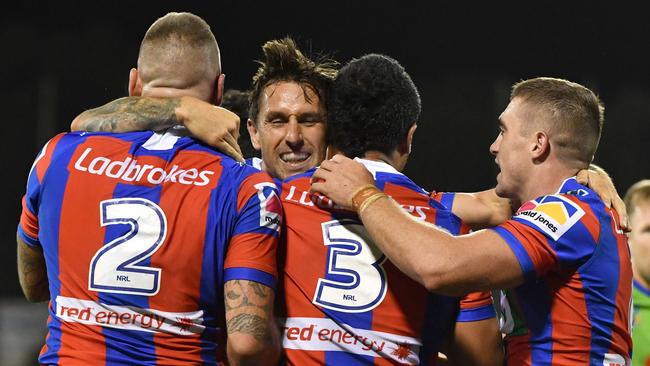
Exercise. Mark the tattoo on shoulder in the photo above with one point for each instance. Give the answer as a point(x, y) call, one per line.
point(131, 114)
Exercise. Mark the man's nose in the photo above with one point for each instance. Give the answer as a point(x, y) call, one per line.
point(294, 134)
point(494, 148)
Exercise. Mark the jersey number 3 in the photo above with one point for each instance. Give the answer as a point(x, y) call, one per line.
point(355, 280)
point(119, 265)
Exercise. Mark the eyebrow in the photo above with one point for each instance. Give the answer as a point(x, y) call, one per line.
point(300, 116)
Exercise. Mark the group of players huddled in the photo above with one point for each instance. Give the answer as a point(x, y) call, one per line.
point(157, 244)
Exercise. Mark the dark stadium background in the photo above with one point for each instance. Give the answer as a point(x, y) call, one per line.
point(60, 58)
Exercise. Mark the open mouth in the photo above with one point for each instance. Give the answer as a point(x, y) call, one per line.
point(294, 158)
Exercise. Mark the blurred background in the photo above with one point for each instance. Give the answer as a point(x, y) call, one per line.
point(60, 58)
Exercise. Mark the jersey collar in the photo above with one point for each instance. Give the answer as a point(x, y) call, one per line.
point(375, 166)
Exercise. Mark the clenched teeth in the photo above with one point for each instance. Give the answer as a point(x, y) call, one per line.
point(294, 157)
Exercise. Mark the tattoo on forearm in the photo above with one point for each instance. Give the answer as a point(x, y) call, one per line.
point(251, 324)
point(248, 308)
point(32, 273)
point(131, 114)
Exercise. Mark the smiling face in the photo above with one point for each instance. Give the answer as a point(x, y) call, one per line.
point(289, 129)
point(510, 148)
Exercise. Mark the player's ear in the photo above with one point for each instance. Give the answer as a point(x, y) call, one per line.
point(540, 146)
point(254, 134)
point(404, 147)
point(409, 136)
point(219, 86)
point(135, 84)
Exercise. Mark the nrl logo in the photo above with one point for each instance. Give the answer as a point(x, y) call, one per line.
point(553, 215)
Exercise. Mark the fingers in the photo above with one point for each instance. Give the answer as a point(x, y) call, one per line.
point(598, 180)
point(606, 196)
point(327, 165)
point(583, 177)
point(316, 187)
point(232, 141)
point(620, 208)
point(235, 130)
point(320, 174)
point(229, 149)
point(318, 180)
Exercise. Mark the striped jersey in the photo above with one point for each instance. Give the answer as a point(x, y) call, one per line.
point(574, 306)
point(139, 232)
point(344, 302)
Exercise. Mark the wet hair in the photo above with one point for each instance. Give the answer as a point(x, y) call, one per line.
point(373, 104)
point(571, 113)
point(283, 61)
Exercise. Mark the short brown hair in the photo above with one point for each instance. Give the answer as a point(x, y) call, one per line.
point(639, 192)
point(178, 44)
point(283, 61)
point(573, 115)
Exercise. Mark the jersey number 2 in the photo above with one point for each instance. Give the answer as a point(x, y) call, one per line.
point(355, 280)
point(118, 265)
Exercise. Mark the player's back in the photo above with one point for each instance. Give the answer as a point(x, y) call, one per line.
point(139, 232)
point(345, 303)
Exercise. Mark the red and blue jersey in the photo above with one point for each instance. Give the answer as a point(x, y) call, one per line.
point(139, 232)
point(574, 307)
point(344, 302)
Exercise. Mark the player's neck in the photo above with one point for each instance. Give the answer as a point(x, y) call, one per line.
point(545, 180)
point(392, 159)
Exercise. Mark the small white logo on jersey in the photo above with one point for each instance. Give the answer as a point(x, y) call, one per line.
point(553, 215)
point(270, 207)
point(613, 359)
point(129, 170)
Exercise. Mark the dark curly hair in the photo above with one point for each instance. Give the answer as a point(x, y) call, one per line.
point(283, 61)
point(372, 105)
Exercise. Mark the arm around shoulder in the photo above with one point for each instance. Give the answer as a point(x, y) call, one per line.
point(129, 114)
point(481, 209)
point(439, 261)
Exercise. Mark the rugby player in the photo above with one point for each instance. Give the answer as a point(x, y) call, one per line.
point(152, 248)
point(563, 253)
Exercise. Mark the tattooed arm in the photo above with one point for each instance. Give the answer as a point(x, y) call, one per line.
point(129, 114)
point(32, 273)
point(253, 337)
point(213, 125)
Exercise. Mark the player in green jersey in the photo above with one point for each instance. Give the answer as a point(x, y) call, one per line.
point(637, 200)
